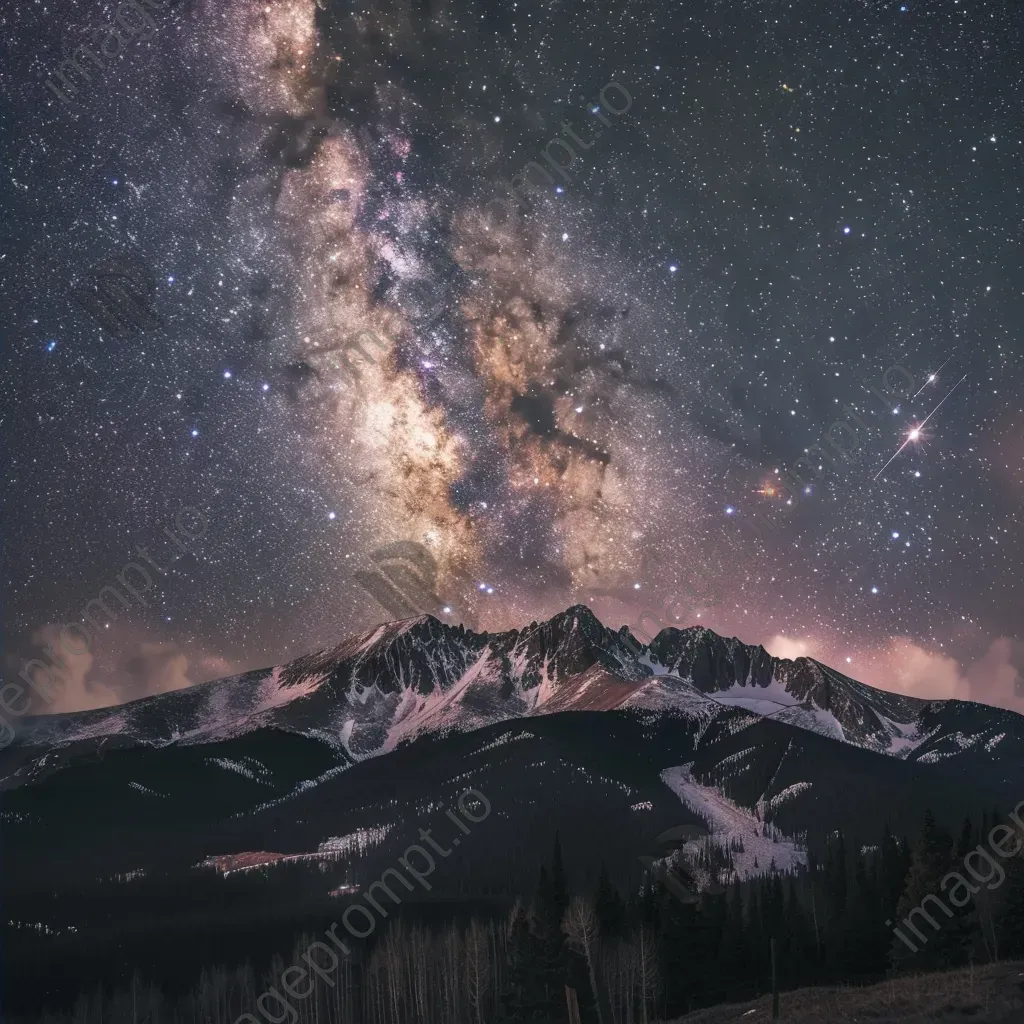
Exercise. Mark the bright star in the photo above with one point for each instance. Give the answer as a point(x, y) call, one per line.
point(932, 377)
point(916, 432)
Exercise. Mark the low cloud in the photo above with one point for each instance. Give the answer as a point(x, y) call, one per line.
point(996, 678)
point(155, 668)
point(144, 668)
point(780, 646)
point(73, 690)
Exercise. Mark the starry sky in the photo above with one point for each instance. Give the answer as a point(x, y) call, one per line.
point(583, 396)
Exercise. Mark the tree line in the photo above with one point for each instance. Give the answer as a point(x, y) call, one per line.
point(608, 957)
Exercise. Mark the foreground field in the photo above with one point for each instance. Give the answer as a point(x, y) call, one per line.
point(991, 994)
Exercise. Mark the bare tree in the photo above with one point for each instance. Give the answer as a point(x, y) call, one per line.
point(478, 973)
point(646, 953)
point(580, 926)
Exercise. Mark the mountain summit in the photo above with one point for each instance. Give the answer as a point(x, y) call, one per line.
point(371, 692)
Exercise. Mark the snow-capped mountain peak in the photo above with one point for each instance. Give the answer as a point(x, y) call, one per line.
point(376, 690)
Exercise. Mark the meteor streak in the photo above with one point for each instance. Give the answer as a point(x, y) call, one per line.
point(915, 433)
point(931, 378)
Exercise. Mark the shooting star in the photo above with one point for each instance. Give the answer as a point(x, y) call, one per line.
point(931, 378)
point(915, 432)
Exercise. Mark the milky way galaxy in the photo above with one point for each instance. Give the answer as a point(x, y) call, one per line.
point(584, 392)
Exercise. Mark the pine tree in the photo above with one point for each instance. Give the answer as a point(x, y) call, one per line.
point(864, 938)
point(966, 840)
point(893, 867)
point(774, 907)
point(837, 879)
point(521, 1000)
point(1011, 911)
point(945, 944)
point(552, 963)
point(560, 888)
point(677, 928)
point(734, 952)
point(797, 944)
point(714, 910)
point(757, 941)
point(608, 906)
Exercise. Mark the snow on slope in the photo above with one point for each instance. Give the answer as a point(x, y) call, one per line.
point(374, 691)
point(732, 826)
point(670, 693)
point(762, 700)
point(906, 736)
point(813, 720)
point(360, 841)
point(418, 713)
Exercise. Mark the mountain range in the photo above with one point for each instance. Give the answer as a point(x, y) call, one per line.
point(308, 779)
point(408, 679)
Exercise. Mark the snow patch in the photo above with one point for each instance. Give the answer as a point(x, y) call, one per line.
point(418, 712)
point(762, 700)
point(360, 842)
point(242, 769)
point(905, 736)
point(506, 737)
point(774, 803)
point(753, 844)
point(142, 789)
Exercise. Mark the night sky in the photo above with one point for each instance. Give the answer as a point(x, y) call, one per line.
point(581, 398)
